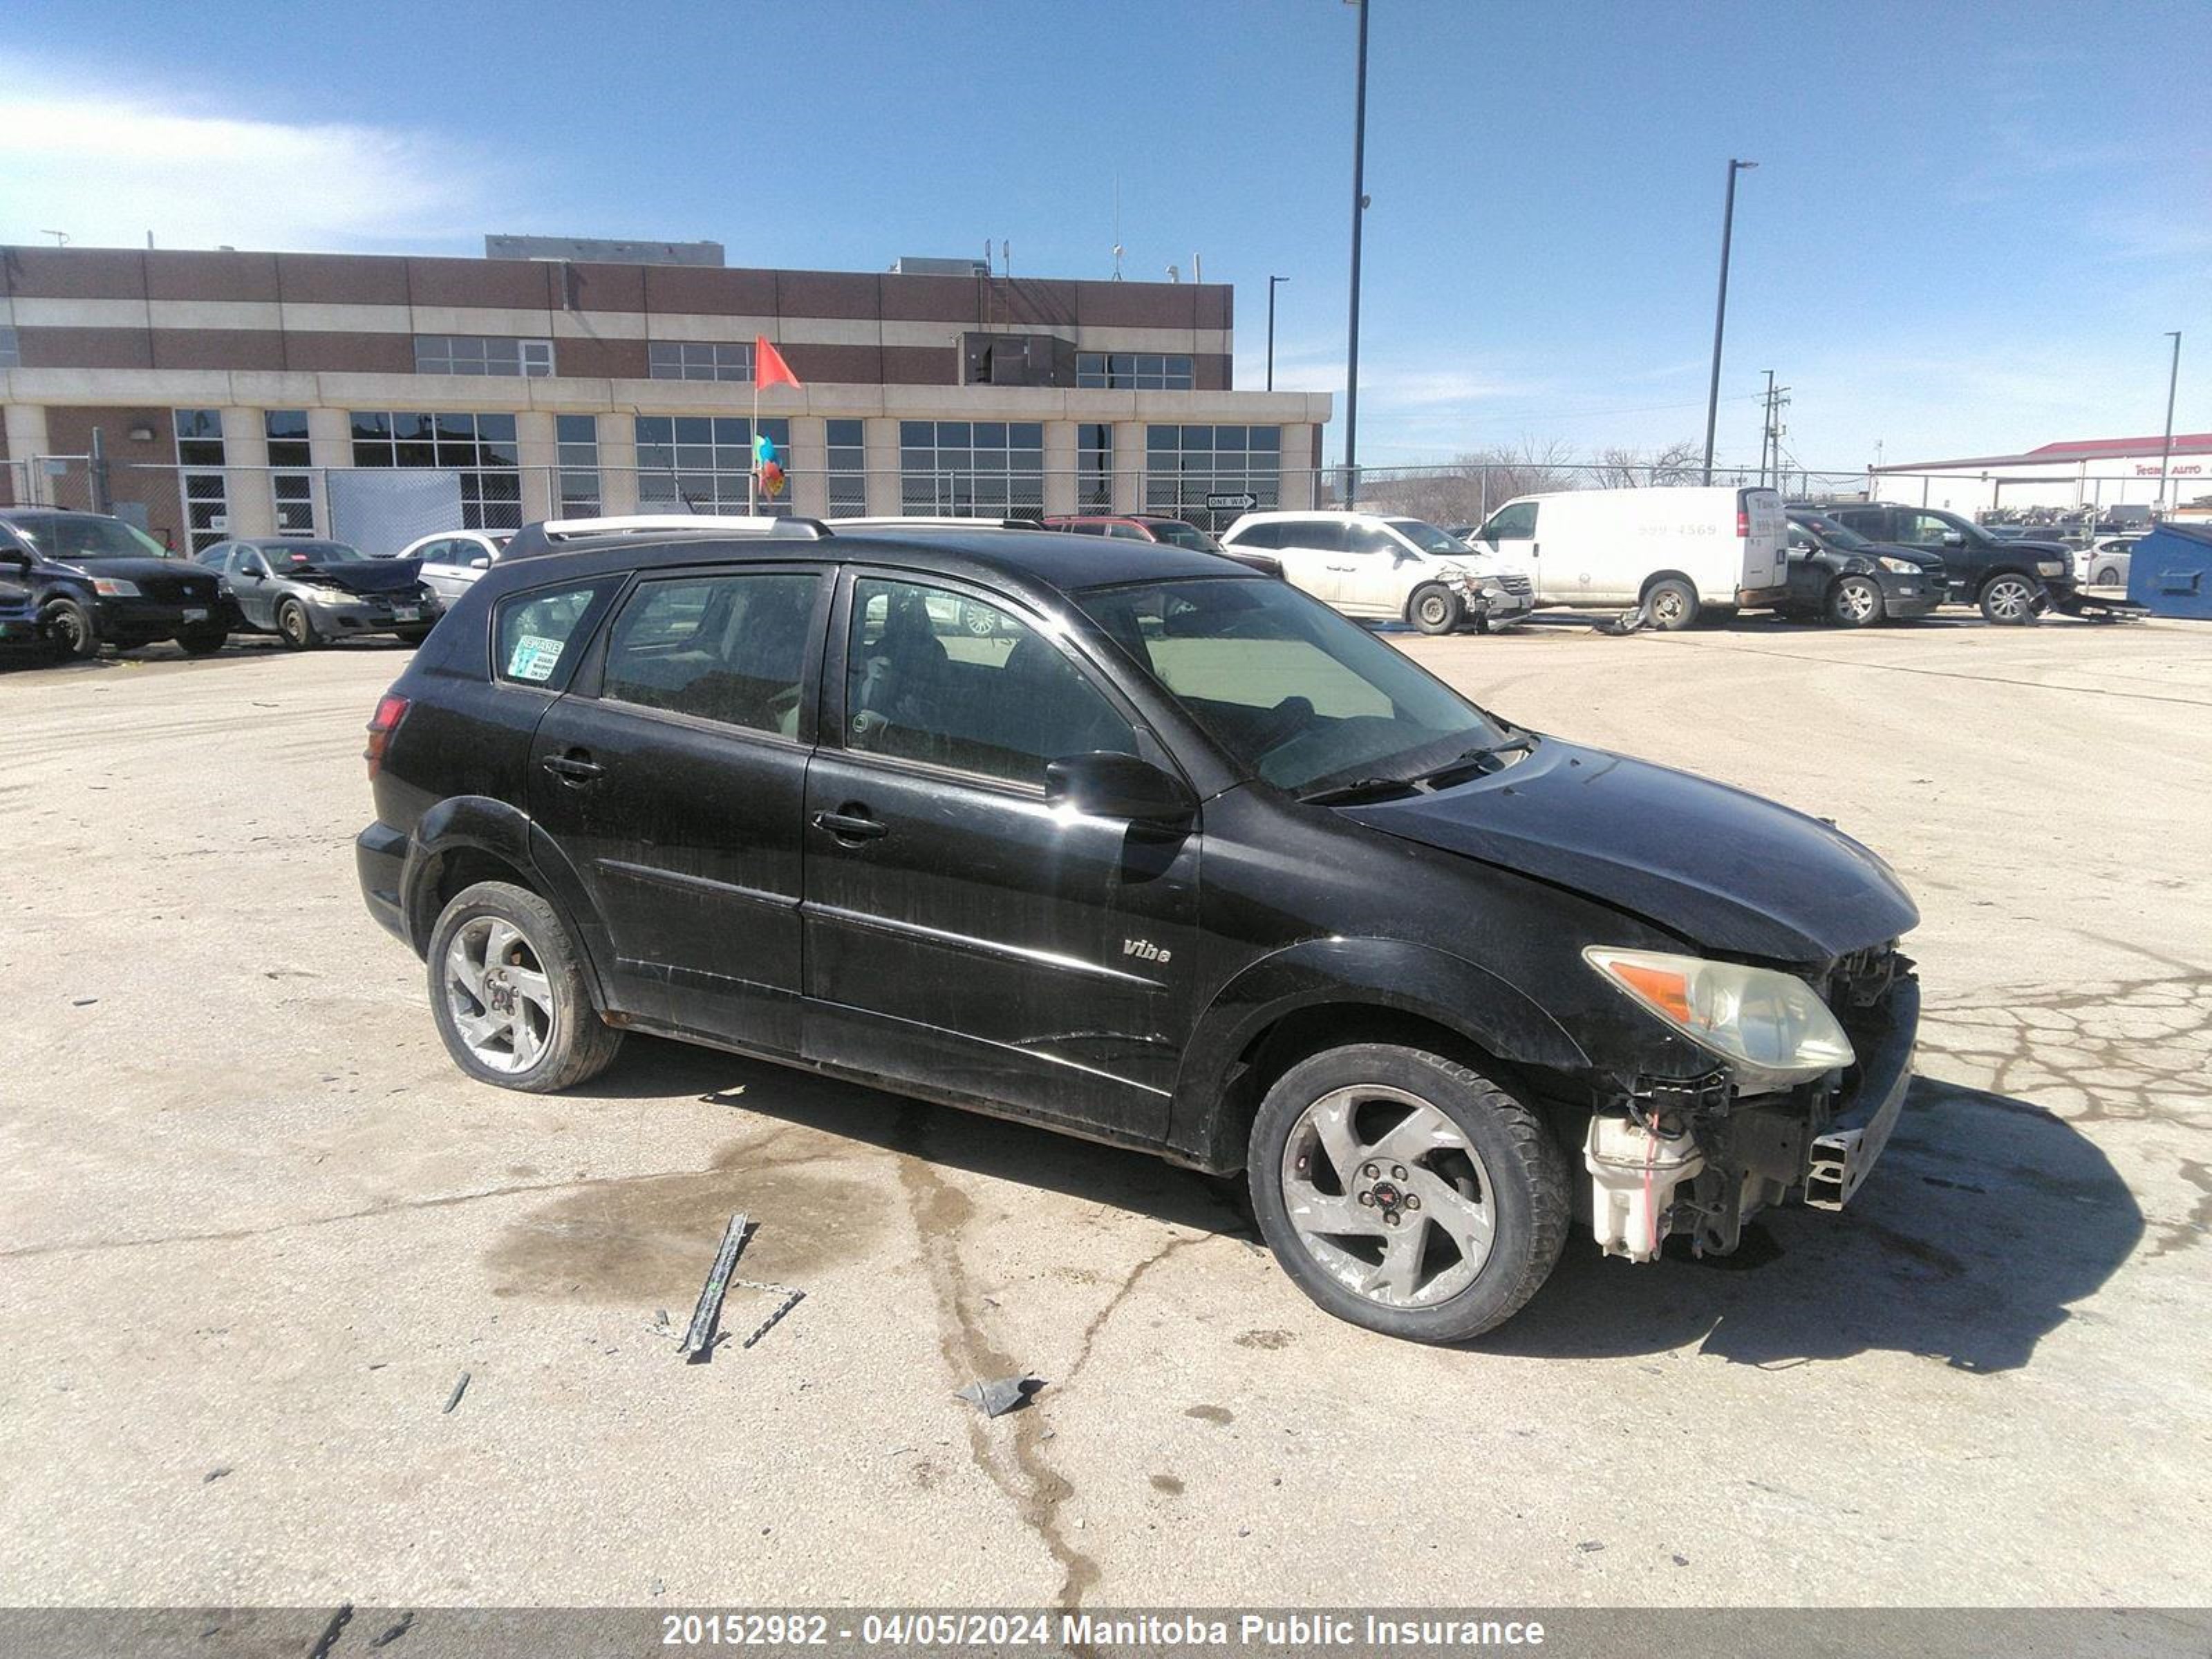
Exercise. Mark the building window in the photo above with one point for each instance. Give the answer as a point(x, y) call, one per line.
point(200, 481)
point(848, 469)
point(704, 464)
point(479, 353)
point(1184, 464)
point(1094, 462)
point(971, 469)
point(291, 484)
point(579, 438)
point(11, 353)
point(1131, 371)
point(479, 448)
point(699, 360)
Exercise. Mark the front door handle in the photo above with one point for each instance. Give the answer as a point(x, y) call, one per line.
point(576, 767)
point(851, 822)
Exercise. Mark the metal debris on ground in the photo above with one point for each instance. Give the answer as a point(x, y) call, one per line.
point(699, 1341)
point(1630, 620)
point(215, 1473)
point(395, 1632)
point(997, 1398)
point(460, 1387)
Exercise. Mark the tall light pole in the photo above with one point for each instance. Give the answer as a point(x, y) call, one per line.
point(1720, 312)
point(2172, 379)
point(1271, 282)
point(1358, 214)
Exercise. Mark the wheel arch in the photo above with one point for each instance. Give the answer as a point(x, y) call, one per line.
point(467, 839)
point(1327, 992)
point(1658, 576)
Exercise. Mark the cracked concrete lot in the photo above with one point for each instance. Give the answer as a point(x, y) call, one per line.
point(253, 1224)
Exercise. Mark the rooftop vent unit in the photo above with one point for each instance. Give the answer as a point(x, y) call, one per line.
point(913, 267)
point(603, 250)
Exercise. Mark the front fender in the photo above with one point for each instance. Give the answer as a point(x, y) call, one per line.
point(1435, 985)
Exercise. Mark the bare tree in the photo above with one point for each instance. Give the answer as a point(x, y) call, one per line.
point(1620, 467)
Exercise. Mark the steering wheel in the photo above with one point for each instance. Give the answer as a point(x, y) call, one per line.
point(1282, 722)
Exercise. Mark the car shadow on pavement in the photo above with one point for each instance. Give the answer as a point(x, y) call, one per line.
point(1000, 1148)
point(1987, 1219)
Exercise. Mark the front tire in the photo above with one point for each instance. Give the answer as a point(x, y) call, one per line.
point(1407, 1194)
point(1855, 601)
point(1433, 608)
point(509, 995)
point(72, 634)
point(2109, 576)
point(2009, 600)
point(202, 641)
point(1671, 605)
point(295, 627)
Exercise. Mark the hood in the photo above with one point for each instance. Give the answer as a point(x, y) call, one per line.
point(367, 576)
point(130, 570)
point(1926, 558)
point(2056, 550)
point(1728, 869)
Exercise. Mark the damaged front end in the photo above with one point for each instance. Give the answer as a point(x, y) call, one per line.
point(1701, 1155)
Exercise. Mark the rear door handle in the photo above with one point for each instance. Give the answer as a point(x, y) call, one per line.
point(576, 767)
point(851, 822)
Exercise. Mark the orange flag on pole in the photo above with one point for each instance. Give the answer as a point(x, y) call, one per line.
point(768, 367)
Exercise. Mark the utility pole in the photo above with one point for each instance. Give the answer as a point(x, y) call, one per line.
point(1766, 429)
point(1720, 312)
point(1271, 282)
point(1358, 214)
point(2166, 456)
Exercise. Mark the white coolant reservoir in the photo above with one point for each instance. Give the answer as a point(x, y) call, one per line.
point(1633, 1173)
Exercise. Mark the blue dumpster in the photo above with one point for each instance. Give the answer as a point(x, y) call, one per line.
point(2170, 571)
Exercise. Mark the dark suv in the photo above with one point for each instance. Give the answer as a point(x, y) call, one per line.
point(97, 581)
point(2013, 582)
point(1176, 858)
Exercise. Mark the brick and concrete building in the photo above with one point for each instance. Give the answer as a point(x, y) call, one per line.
point(248, 393)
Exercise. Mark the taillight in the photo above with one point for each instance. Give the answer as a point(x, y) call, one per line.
point(391, 709)
point(1742, 523)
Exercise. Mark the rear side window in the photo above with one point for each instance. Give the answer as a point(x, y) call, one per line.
point(730, 648)
point(1320, 535)
point(1258, 535)
point(538, 636)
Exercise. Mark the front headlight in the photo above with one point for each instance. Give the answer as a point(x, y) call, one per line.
point(1899, 567)
point(1770, 1025)
point(2050, 566)
point(114, 588)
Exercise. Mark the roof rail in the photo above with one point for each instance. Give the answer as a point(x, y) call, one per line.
point(548, 535)
point(924, 521)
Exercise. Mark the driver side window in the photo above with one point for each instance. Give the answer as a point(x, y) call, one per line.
point(1371, 538)
point(1921, 530)
point(1516, 523)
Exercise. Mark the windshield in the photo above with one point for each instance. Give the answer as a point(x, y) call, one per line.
point(87, 536)
point(1834, 534)
point(313, 552)
point(1426, 536)
point(1296, 693)
point(1184, 535)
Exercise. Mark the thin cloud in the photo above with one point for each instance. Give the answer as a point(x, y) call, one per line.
point(107, 164)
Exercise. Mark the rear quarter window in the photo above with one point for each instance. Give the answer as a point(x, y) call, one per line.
point(538, 636)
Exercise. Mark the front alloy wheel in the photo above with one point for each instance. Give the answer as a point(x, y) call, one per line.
point(1855, 601)
point(1407, 1192)
point(2009, 600)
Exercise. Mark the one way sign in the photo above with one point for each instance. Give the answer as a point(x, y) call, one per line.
point(1244, 502)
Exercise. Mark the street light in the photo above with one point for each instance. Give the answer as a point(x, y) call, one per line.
point(2172, 379)
point(1358, 213)
point(1720, 312)
point(1272, 281)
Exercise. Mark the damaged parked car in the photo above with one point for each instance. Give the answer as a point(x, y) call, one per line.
point(306, 592)
point(97, 581)
point(1180, 859)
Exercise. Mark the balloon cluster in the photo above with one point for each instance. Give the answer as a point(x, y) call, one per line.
point(766, 468)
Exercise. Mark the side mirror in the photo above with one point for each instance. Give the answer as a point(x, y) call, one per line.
point(480, 562)
point(1954, 538)
point(15, 556)
point(1109, 785)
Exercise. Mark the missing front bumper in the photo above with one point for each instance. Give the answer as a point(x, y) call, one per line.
point(1845, 1152)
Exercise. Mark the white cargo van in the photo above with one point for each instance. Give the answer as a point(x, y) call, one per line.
point(1674, 551)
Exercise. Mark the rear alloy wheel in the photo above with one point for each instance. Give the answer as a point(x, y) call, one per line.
point(1433, 608)
point(2009, 600)
point(509, 995)
point(2109, 576)
point(70, 630)
point(1671, 605)
point(1406, 1192)
point(295, 627)
point(1855, 601)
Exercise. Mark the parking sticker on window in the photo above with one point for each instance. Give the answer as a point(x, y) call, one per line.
point(534, 658)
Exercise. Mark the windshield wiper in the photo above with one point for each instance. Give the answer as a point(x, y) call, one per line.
point(1476, 756)
point(1358, 789)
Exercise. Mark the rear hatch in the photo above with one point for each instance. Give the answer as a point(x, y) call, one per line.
point(1762, 529)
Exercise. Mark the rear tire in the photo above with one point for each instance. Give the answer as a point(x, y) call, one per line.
point(1671, 605)
point(2108, 577)
point(1407, 1194)
point(71, 633)
point(2008, 599)
point(295, 627)
point(1855, 601)
point(509, 995)
point(1433, 608)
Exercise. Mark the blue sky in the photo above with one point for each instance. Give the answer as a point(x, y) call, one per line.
point(1968, 231)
